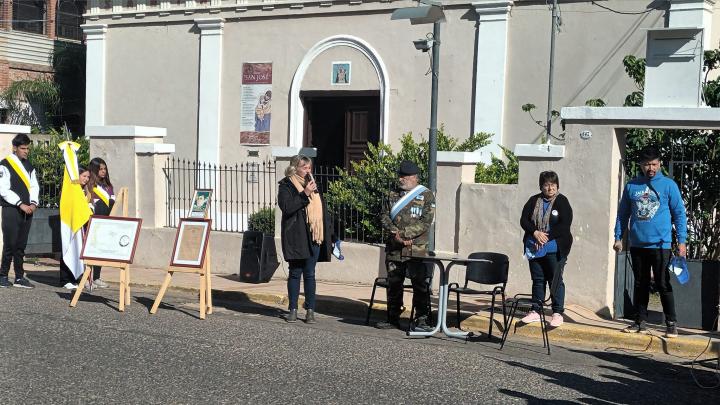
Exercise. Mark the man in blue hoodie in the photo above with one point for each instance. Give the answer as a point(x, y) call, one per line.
point(651, 204)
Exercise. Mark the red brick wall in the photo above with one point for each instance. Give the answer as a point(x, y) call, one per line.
point(50, 17)
point(12, 71)
point(4, 74)
point(6, 14)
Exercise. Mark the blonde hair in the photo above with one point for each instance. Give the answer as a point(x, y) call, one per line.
point(294, 163)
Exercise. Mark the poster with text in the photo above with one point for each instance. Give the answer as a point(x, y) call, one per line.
point(256, 103)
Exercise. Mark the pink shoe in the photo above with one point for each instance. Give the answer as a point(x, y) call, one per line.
point(557, 320)
point(531, 317)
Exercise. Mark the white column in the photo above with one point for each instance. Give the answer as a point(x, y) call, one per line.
point(95, 74)
point(94, 6)
point(211, 30)
point(490, 73)
point(693, 13)
point(117, 6)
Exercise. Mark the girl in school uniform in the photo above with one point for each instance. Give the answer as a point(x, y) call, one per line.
point(102, 201)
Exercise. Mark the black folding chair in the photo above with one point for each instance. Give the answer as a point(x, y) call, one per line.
point(383, 283)
point(527, 301)
point(493, 272)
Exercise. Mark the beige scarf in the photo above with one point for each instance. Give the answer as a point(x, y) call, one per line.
point(313, 210)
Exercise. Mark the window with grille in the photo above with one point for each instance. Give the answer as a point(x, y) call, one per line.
point(69, 18)
point(29, 16)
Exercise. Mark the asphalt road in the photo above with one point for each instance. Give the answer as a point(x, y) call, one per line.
point(246, 353)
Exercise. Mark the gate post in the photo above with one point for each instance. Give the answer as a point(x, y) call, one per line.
point(134, 156)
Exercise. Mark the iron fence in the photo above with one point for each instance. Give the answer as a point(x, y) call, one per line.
point(239, 191)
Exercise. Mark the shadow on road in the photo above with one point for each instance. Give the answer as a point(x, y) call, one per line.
point(633, 377)
point(88, 297)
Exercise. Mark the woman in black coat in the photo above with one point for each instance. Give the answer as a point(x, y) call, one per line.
point(306, 232)
point(546, 220)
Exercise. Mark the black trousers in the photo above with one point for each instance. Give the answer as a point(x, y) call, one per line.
point(96, 272)
point(15, 228)
point(66, 276)
point(420, 275)
point(643, 262)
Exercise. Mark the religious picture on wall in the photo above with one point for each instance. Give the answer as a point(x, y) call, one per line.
point(256, 103)
point(340, 73)
point(200, 203)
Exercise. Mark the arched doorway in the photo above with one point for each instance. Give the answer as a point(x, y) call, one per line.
point(316, 117)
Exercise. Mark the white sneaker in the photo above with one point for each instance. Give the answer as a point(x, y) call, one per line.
point(531, 317)
point(557, 320)
point(100, 283)
point(70, 286)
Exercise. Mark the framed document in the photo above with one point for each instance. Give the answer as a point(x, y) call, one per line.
point(200, 203)
point(191, 242)
point(111, 238)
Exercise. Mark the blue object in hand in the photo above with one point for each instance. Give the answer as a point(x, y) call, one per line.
point(337, 252)
point(531, 252)
point(678, 266)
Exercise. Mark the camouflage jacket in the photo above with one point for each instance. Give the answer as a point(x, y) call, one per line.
point(411, 223)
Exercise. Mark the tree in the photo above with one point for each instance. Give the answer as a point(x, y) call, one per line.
point(25, 98)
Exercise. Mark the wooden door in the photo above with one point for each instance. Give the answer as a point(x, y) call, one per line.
point(361, 127)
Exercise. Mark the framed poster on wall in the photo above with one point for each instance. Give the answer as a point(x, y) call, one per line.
point(256, 103)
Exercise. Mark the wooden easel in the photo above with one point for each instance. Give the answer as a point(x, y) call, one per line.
point(121, 203)
point(206, 305)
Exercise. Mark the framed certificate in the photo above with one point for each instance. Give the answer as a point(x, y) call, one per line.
point(200, 203)
point(111, 238)
point(191, 242)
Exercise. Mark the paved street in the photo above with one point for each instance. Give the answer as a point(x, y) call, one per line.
point(245, 352)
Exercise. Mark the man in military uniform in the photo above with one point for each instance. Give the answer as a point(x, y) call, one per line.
point(407, 217)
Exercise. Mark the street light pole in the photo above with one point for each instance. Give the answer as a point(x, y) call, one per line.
point(432, 136)
point(553, 27)
point(431, 12)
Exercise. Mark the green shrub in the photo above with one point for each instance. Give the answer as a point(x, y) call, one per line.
point(364, 187)
point(49, 165)
point(262, 221)
point(499, 171)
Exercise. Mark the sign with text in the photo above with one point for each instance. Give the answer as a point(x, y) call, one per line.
point(256, 103)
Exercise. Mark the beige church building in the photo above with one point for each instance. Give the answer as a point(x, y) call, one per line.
point(229, 79)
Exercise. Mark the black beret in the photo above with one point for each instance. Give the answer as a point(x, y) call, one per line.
point(408, 168)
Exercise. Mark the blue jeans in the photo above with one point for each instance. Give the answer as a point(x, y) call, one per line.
point(542, 271)
point(306, 268)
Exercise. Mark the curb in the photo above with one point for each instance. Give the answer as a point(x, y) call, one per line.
point(570, 333)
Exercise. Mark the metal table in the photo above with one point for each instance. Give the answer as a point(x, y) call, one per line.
point(440, 260)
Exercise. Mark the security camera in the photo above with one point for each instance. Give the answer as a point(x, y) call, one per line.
point(423, 44)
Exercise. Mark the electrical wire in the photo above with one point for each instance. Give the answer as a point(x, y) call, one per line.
point(717, 367)
point(695, 361)
point(624, 12)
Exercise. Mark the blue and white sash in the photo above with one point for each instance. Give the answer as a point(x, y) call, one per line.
point(406, 199)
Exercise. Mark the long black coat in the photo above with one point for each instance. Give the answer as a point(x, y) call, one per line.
point(294, 229)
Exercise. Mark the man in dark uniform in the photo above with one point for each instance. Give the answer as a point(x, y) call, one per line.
point(407, 218)
point(19, 199)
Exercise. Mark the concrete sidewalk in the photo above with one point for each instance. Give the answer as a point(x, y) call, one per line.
point(582, 326)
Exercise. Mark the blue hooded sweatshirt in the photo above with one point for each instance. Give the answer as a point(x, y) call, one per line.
point(652, 207)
